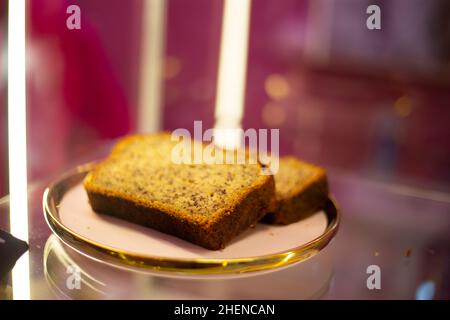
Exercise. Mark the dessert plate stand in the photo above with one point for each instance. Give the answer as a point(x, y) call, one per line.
point(125, 245)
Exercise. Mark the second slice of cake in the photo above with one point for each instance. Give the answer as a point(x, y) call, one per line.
point(301, 190)
point(206, 204)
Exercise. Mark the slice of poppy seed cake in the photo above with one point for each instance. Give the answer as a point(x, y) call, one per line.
point(301, 189)
point(206, 204)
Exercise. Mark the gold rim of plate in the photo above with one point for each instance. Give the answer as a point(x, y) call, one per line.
point(120, 258)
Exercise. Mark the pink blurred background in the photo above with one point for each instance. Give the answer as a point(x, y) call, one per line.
point(369, 103)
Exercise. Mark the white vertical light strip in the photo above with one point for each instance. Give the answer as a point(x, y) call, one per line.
point(152, 63)
point(232, 72)
point(17, 142)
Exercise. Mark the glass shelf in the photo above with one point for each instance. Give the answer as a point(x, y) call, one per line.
point(403, 231)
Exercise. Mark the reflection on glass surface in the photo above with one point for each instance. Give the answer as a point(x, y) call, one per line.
point(309, 279)
point(425, 291)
